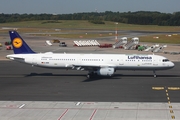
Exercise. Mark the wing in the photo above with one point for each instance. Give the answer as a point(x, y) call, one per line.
point(90, 67)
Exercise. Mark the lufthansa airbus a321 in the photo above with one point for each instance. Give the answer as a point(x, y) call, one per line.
point(95, 64)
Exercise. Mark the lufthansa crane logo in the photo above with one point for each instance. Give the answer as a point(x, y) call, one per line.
point(17, 42)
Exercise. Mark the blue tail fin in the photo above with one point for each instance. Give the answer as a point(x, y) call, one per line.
point(19, 45)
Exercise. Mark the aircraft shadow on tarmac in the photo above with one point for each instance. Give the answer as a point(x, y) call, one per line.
point(51, 74)
point(115, 75)
point(138, 75)
point(95, 78)
point(120, 76)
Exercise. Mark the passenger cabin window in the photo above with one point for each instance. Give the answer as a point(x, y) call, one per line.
point(165, 60)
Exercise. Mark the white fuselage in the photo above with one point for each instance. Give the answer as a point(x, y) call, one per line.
point(116, 61)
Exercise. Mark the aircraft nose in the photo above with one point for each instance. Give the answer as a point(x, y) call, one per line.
point(172, 64)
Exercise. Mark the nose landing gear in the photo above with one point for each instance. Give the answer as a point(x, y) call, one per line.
point(154, 73)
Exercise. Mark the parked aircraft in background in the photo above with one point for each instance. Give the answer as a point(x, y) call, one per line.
point(95, 64)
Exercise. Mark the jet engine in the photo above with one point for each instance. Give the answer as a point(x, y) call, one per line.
point(105, 71)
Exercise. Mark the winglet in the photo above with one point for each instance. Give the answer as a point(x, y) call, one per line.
point(19, 45)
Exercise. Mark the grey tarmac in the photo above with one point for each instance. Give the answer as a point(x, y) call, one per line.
point(28, 92)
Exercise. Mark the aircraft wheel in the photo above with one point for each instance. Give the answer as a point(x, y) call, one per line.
point(154, 73)
point(88, 76)
point(154, 76)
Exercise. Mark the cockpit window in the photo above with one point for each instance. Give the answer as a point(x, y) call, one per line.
point(165, 60)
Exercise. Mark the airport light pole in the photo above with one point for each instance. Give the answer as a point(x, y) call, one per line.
point(116, 33)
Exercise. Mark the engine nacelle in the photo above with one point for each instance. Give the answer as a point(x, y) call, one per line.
point(105, 71)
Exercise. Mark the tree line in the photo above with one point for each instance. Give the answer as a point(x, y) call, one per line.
point(139, 17)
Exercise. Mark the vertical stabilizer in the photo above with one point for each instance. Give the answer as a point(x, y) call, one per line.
point(19, 45)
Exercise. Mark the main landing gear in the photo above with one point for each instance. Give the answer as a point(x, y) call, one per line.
point(91, 74)
point(88, 76)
